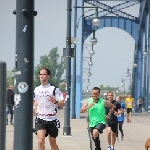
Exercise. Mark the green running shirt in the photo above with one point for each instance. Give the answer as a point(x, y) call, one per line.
point(96, 113)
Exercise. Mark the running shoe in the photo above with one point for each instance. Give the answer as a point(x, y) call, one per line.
point(117, 139)
point(109, 147)
point(122, 137)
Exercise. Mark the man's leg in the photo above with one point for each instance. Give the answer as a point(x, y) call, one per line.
point(127, 114)
point(113, 138)
point(7, 111)
point(98, 130)
point(113, 132)
point(117, 134)
point(53, 133)
point(95, 135)
point(130, 115)
point(121, 130)
point(11, 113)
point(53, 144)
point(41, 139)
point(108, 130)
point(140, 108)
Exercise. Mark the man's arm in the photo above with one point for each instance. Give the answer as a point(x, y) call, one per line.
point(84, 107)
point(60, 102)
point(121, 111)
point(118, 108)
point(110, 105)
point(58, 99)
point(35, 104)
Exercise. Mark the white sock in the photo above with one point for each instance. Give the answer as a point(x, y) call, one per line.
point(109, 145)
point(112, 147)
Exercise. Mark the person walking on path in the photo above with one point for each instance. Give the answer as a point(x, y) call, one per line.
point(112, 122)
point(140, 103)
point(129, 101)
point(120, 119)
point(9, 103)
point(96, 113)
point(47, 98)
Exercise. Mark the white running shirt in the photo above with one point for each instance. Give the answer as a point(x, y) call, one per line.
point(45, 107)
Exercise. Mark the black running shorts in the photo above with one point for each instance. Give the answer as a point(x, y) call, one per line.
point(129, 110)
point(51, 127)
point(113, 126)
point(100, 127)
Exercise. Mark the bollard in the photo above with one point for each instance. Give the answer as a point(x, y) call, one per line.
point(2, 105)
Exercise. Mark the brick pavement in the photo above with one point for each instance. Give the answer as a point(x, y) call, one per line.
point(136, 134)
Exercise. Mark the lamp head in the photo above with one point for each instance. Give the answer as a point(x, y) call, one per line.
point(96, 22)
point(90, 63)
point(92, 53)
point(135, 65)
point(94, 41)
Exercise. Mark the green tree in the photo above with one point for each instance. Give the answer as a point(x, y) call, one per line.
point(62, 87)
point(9, 78)
point(102, 87)
point(54, 63)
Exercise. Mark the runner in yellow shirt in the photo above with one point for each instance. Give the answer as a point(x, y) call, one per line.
point(129, 105)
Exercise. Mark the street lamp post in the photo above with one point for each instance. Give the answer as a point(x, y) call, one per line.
point(88, 81)
point(89, 72)
point(123, 84)
point(73, 115)
point(96, 22)
point(67, 128)
point(144, 60)
point(94, 40)
point(129, 75)
point(91, 52)
point(23, 108)
point(89, 63)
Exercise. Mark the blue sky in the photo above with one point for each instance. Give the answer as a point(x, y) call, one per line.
point(113, 52)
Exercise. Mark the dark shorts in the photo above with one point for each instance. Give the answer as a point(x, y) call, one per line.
point(113, 126)
point(51, 127)
point(100, 127)
point(129, 110)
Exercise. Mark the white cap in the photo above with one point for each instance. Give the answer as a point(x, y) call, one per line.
point(105, 94)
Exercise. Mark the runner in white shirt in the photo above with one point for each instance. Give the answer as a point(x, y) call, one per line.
point(47, 98)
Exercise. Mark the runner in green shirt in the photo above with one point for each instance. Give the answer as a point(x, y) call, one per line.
point(96, 112)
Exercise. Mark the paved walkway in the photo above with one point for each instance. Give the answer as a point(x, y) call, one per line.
point(136, 134)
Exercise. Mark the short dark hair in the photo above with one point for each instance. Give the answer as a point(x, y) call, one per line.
point(110, 92)
point(47, 70)
point(96, 88)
